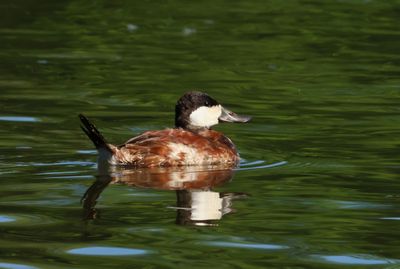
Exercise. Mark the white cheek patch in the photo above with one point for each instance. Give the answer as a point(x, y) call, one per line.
point(205, 116)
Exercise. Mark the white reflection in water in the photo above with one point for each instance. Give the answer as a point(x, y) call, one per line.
point(204, 207)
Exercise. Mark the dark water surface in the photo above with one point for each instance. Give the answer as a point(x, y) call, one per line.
point(319, 184)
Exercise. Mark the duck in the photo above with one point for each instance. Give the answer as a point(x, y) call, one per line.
point(191, 142)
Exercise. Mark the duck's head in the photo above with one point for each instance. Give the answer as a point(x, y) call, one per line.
point(196, 110)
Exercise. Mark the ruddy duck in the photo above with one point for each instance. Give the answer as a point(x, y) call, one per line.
point(191, 142)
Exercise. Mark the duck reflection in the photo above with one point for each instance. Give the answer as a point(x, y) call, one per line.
point(197, 203)
point(203, 207)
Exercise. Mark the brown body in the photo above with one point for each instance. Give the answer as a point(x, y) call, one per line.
point(175, 147)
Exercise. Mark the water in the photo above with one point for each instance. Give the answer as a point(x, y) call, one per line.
point(318, 185)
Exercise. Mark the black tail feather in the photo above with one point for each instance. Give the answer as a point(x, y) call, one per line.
point(91, 131)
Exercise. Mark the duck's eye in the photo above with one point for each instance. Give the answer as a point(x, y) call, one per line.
point(207, 103)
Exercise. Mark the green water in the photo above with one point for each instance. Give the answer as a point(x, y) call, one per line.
point(319, 182)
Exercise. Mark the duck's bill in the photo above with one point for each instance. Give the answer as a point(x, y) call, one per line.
point(229, 116)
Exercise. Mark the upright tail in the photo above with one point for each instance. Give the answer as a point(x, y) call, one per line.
point(91, 131)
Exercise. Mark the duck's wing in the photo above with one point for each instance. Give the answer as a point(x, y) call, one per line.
point(150, 149)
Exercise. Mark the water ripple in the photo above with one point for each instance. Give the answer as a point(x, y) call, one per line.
point(61, 163)
point(19, 119)
point(7, 265)
point(88, 152)
point(6, 219)
point(391, 218)
point(357, 259)
point(245, 163)
point(241, 168)
point(360, 205)
point(24, 219)
point(107, 251)
point(248, 245)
